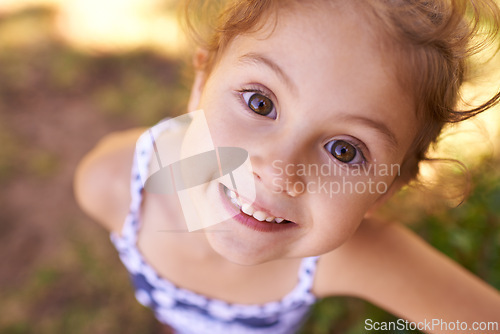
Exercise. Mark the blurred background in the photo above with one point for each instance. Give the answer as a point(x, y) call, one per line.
point(72, 71)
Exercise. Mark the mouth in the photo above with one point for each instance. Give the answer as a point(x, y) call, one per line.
point(251, 216)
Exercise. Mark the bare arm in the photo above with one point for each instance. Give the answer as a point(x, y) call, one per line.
point(102, 179)
point(392, 267)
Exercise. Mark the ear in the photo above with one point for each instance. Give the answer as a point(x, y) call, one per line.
point(199, 60)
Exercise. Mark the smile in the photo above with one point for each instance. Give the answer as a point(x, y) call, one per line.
point(247, 214)
point(247, 208)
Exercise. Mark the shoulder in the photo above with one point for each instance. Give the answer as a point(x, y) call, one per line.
point(102, 178)
point(392, 267)
point(343, 271)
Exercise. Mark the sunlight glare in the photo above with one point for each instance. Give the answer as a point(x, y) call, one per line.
point(113, 25)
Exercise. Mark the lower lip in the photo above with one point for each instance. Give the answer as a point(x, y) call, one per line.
point(250, 221)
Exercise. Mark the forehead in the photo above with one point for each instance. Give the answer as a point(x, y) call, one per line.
point(332, 60)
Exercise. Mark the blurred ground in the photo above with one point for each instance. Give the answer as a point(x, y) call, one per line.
point(58, 271)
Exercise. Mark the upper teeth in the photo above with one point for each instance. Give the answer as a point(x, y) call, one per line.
point(249, 210)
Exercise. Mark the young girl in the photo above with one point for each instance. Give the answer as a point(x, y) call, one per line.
point(357, 86)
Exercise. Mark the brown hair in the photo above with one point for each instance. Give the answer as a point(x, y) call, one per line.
point(434, 38)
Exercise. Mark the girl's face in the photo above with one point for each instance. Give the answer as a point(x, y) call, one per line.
point(317, 105)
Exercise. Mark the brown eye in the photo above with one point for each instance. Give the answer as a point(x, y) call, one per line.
point(343, 151)
point(260, 104)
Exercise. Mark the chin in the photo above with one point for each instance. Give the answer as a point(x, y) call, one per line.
point(227, 245)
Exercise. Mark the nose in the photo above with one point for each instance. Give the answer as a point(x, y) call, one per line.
point(276, 168)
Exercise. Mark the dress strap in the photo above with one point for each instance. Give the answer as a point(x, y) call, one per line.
point(302, 293)
point(139, 173)
point(140, 164)
point(307, 271)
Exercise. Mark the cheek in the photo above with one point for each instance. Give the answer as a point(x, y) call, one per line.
point(330, 232)
point(225, 130)
point(223, 127)
point(341, 214)
point(336, 215)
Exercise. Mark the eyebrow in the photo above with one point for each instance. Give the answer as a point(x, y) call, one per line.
point(256, 58)
point(378, 126)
